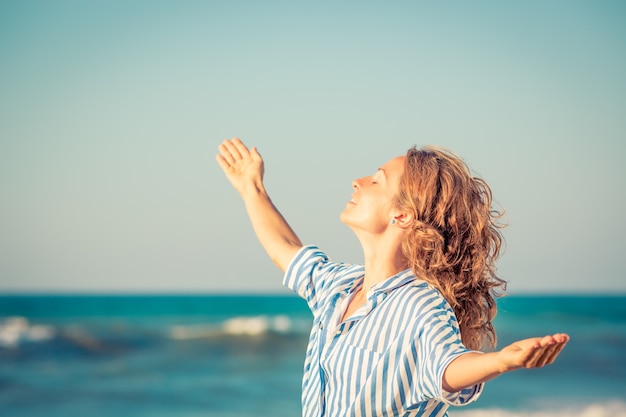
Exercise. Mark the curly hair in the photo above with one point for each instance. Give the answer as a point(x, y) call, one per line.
point(455, 238)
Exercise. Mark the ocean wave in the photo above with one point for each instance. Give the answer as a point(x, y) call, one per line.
point(253, 326)
point(17, 330)
point(239, 326)
point(615, 408)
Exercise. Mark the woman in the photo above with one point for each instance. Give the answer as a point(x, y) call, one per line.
point(400, 335)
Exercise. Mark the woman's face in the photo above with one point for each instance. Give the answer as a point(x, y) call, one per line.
point(371, 205)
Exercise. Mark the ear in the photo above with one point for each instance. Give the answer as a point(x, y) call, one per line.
point(403, 220)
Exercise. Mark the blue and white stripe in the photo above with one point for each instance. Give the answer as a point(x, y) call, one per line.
point(387, 359)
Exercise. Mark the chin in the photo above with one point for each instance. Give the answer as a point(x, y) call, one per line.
point(344, 216)
point(345, 219)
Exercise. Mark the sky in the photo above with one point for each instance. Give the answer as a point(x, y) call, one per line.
point(111, 113)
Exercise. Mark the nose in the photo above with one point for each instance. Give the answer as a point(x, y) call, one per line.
point(356, 184)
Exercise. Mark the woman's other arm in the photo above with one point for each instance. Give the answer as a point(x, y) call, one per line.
point(244, 169)
point(475, 367)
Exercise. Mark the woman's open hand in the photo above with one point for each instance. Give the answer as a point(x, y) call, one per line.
point(532, 353)
point(243, 167)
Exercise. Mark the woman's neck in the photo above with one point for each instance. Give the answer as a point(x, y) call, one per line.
point(383, 259)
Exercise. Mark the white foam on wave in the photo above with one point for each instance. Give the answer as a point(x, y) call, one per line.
point(182, 332)
point(16, 330)
point(615, 408)
point(235, 326)
point(257, 325)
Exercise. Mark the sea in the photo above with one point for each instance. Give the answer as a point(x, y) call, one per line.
point(242, 356)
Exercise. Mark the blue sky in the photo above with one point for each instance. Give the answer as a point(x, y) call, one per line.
point(111, 113)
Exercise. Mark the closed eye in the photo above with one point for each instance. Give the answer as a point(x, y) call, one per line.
point(379, 172)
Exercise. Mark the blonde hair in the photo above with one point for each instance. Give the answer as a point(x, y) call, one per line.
point(455, 238)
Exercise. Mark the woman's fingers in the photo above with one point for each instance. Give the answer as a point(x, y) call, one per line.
point(240, 148)
point(225, 154)
point(556, 352)
point(551, 354)
point(553, 350)
point(233, 150)
point(236, 148)
point(223, 163)
point(547, 351)
point(254, 153)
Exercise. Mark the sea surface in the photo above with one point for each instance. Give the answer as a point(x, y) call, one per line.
point(242, 356)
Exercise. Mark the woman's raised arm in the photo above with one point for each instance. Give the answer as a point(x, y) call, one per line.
point(244, 169)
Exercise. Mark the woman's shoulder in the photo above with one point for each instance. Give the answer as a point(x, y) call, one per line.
point(424, 297)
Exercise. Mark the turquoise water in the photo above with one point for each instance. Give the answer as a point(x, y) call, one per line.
point(242, 356)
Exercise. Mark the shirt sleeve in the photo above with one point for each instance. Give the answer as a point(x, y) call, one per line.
point(313, 276)
point(439, 343)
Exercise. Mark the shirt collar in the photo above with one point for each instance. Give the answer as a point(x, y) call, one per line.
point(398, 280)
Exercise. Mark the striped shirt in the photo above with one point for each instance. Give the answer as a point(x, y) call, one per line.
point(388, 358)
